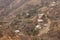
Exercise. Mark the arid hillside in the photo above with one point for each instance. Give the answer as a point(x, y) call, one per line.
point(29, 19)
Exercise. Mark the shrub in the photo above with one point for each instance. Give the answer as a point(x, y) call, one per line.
point(29, 21)
point(1, 35)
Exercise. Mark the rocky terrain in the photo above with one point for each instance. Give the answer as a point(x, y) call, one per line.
point(29, 19)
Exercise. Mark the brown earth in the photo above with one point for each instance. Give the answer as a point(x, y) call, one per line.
point(12, 17)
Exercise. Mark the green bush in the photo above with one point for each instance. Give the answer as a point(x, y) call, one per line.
point(29, 21)
point(30, 31)
point(1, 35)
point(18, 16)
point(32, 12)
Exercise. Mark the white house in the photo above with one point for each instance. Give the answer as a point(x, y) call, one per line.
point(53, 4)
point(39, 20)
point(27, 14)
point(17, 31)
point(41, 14)
point(38, 27)
point(45, 24)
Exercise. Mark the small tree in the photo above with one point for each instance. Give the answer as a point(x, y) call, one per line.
point(1, 35)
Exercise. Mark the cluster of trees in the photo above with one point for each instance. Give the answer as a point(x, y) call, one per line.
point(1, 33)
point(30, 30)
point(30, 13)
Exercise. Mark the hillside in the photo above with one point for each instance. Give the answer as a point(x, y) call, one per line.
point(29, 19)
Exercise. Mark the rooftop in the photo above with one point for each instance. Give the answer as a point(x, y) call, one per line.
point(17, 31)
point(53, 4)
point(39, 20)
point(38, 26)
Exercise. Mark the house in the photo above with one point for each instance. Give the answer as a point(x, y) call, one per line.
point(39, 20)
point(17, 31)
point(40, 15)
point(53, 4)
point(27, 15)
point(45, 24)
point(38, 27)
